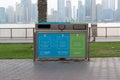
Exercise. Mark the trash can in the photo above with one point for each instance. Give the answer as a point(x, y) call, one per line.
point(61, 40)
point(94, 31)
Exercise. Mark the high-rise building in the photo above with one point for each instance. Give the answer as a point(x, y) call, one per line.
point(118, 11)
point(88, 12)
point(10, 14)
point(108, 15)
point(80, 12)
point(112, 4)
point(68, 11)
point(2, 15)
point(61, 10)
point(105, 4)
point(99, 13)
point(34, 13)
point(53, 17)
point(20, 13)
point(118, 4)
point(108, 6)
point(74, 13)
point(93, 9)
point(27, 10)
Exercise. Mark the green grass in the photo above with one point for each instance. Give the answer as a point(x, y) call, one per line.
point(105, 49)
point(25, 51)
point(16, 51)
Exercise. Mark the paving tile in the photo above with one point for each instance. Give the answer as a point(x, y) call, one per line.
point(96, 69)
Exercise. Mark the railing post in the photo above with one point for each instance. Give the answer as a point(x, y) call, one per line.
point(11, 33)
point(26, 33)
point(33, 32)
point(89, 33)
point(106, 32)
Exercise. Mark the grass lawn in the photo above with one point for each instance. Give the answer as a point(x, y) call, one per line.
point(25, 51)
point(16, 51)
point(105, 49)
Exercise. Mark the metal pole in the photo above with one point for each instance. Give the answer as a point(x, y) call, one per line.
point(106, 32)
point(26, 33)
point(89, 45)
point(34, 42)
point(89, 34)
point(11, 33)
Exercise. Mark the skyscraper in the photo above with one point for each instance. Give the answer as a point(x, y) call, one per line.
point(93, 9)
point(118, 11)
point(99, 13)
point(2, 15)
point(27, 10)
point(68, 11)
point(53, 17)
point(88, 12)
point(20, 13)
point(80, 12)
point(10, 14)
point(108, 7)
point(61, 10)
point(112, 4)
point(108, 4)
point(34, 13)
point(74, 13)
point(105, 4)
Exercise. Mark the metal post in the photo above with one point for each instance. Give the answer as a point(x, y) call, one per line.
point(89, 34)
point(89, 45)
point(11, 33)
point(106, 31)
point(26, 33)
point(34, 42)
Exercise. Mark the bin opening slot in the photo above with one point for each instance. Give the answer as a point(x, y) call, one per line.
point(79, 27)
point(44, 26)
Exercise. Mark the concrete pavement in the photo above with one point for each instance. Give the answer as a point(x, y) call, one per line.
point(96, 69)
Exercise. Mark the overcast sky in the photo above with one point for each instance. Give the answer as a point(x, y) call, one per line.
point(6, 3)
point(51, 3)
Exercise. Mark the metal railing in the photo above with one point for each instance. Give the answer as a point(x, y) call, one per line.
point(28, 32)
point(106, 32)
point(16, 32)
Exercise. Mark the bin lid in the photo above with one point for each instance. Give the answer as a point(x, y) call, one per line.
point(54, 23)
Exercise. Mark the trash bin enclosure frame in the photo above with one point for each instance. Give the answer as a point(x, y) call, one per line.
point(69, 29)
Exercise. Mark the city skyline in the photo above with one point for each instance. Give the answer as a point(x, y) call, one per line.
point(65, 11)
point(24, 12)
point(90, 11)
point(7, 3)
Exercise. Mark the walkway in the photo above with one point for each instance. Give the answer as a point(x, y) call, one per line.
point(96, 69)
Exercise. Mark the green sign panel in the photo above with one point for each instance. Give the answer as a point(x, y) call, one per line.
point(77, 45)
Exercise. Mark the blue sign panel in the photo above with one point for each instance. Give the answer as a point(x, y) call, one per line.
point(53, 45)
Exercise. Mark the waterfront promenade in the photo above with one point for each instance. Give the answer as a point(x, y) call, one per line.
point(95, 69)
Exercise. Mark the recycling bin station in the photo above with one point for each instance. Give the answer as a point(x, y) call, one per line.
point(61, 40)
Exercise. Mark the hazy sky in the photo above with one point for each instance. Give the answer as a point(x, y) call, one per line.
point(74, 2)
point(6, 3)
point(51, 3)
